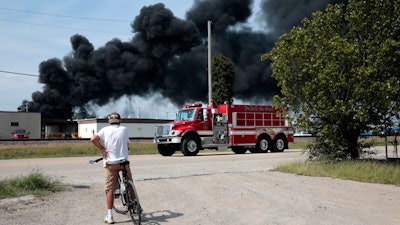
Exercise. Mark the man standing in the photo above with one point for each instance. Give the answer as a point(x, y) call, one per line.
point(113, 142)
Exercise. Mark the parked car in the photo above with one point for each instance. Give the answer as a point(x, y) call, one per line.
point(20, 134)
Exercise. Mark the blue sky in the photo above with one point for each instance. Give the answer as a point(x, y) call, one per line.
point(29, 36)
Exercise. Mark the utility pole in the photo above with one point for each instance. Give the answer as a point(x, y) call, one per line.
point(209, 63)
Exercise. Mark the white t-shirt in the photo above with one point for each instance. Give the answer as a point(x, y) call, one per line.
point(115, 139)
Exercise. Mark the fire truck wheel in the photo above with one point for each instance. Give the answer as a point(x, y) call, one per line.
point(165, 150)
point(190, 146)
point(263, 144)
point(279, 144)
point(238, 150)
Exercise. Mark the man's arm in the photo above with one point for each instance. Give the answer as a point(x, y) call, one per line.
point(96, 141)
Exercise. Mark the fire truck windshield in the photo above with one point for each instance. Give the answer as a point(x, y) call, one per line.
point(187, 114)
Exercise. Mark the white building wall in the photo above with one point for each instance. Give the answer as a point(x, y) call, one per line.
point(10, 121)
point(141, 130)
point(86, 128)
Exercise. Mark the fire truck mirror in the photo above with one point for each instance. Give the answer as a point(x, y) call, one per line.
point(200, 116)
point(205, 114)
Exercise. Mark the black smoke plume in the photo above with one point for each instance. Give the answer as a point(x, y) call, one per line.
point(168, 55)
point(280, 16)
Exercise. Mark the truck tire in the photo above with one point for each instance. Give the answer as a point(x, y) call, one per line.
point(190, 146)
point(279, 143)
point(263, 143)
point(238, 150)
point(165, 150)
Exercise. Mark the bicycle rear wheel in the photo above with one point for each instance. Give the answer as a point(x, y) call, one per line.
point(120, 205)
point(134, 208)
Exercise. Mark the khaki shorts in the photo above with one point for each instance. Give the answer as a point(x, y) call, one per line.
point(111, 172)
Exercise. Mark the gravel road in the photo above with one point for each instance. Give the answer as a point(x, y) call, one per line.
point(207, 189)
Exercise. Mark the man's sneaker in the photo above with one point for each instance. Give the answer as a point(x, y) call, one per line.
point(108, 220)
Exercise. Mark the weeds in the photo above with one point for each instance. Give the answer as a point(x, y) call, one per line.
point(34, 183)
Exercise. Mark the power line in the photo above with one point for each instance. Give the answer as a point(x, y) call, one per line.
point(63, 27)
point(20, 74)
point(65, 16)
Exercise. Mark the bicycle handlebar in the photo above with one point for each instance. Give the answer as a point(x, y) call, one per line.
point(95, 161)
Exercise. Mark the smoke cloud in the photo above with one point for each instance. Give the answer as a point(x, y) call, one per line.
point(168, 55)
point(280, 16)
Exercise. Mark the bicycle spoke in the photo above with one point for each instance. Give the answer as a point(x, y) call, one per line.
point(120, 205)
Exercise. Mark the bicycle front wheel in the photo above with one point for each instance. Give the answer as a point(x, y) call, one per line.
point(135, 210)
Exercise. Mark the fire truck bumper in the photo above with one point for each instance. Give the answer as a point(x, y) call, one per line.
point(167, 140)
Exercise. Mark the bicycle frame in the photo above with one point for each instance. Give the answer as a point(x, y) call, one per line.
point(127, 194)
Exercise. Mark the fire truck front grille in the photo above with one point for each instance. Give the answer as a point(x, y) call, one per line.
point(163, 130)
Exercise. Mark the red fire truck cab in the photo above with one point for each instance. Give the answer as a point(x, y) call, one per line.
point(256, 128)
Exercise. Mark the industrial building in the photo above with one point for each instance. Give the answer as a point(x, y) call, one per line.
point(12, 121)
point(83, 128)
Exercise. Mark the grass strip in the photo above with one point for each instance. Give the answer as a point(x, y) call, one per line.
point(369, 171)
point(58, 150)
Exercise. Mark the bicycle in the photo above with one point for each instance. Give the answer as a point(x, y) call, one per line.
point(129, 199)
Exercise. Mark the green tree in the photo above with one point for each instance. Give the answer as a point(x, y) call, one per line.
point(341, 68)
point(223, 75)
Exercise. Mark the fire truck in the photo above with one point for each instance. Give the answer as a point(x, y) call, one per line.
point(254, 128)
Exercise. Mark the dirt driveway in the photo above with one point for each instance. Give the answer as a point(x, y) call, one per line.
point(206, 189)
